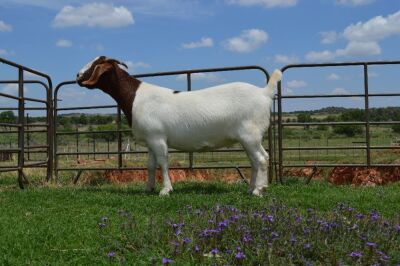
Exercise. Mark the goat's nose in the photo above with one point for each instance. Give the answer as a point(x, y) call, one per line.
point(77, 75)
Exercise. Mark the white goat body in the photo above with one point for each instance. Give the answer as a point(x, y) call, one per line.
point(189, 121)
point(201, 120)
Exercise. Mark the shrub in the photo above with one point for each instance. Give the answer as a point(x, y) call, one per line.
point(348, 130)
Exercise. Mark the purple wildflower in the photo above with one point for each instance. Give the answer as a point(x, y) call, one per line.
point(111, 254)
point(307, 246)
point(359, 216)
point(247, 238)
point(355, 254)
point(186, 240)
point(274, 235)
point(166, 261)
point(375, 216)
point(214, 251)
point(270, 218)
point(196, 249)
point(223, 224)
point(371, 244)
point(397, 227)
point(240, 256)
point(384, 257)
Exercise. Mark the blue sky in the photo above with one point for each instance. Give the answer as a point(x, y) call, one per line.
point(59, 36)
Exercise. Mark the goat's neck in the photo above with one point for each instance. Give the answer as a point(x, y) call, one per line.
point(123, 89)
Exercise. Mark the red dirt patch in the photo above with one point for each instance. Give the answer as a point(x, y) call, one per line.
point(362, 176)
point(303, 172)
point(175, 175)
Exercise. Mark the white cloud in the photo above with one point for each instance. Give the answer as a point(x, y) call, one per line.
point(134, 65)
point(328, 37)
point(339, 91)
point(64, 43)
point(287, 91)
point(204, 42)
point(247, 41)
point(99, 47)
point(3, 52)
point(375, 29)
point(360, 49)
point(264, 3)
point(209, 77)
point(93, 15)
point(12, 89)
point(333, 76)
point(72, 93)
point(354, 2)
point(286, 59)
point(323, 56)
point(295, 84)
point(5, 27)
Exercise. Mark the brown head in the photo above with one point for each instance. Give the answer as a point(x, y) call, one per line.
point(105, 73)
point(99, 72)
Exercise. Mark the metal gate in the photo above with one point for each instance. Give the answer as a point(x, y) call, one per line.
point(22, 128)
point(120, 152)
point(366, 95)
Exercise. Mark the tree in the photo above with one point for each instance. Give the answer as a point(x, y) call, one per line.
point(304, 118)
point(8, 117)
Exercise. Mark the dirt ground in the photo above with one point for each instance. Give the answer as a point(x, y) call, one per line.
point(229, 176)
point(362, 176)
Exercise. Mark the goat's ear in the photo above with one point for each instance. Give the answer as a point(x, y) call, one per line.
point(98, 71)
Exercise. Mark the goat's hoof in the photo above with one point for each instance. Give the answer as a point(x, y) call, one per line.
point(257, 192)
point(165, 191)
point(250, 190)
point(149, 189)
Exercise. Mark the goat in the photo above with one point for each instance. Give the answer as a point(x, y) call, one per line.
point(200, 120)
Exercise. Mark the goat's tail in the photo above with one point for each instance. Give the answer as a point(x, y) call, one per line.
point(273, 82)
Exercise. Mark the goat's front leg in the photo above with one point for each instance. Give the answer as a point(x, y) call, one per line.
point(160, 150)
point(151, 169)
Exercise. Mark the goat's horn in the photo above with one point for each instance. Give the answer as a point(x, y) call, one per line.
point(116, 61)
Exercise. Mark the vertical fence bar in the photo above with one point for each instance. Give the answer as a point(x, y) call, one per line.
point(77, 143)
point(119, 138)
point(50, 132)
point(367, 128)
point(28, 139)
point(189, 88)
point(280, 131)
point(274, 139)
point(55, 121)
point(21, 130)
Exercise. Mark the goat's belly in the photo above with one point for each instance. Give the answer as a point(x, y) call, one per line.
point(199, 144)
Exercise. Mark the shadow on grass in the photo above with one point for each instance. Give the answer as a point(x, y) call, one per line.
point(200, 188)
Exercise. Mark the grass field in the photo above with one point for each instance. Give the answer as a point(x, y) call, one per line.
point(51, 225)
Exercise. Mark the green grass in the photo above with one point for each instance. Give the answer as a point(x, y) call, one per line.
point(58, 226)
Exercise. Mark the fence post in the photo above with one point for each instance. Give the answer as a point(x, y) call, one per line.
point(77, 144)
point(119, 138)
point(189, 88)
point(21, 128)
point(28, 139)
point(366, 98)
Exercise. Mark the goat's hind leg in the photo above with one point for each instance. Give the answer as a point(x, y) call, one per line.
point(259, 162)
point(151, 170)
point(160, 149)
